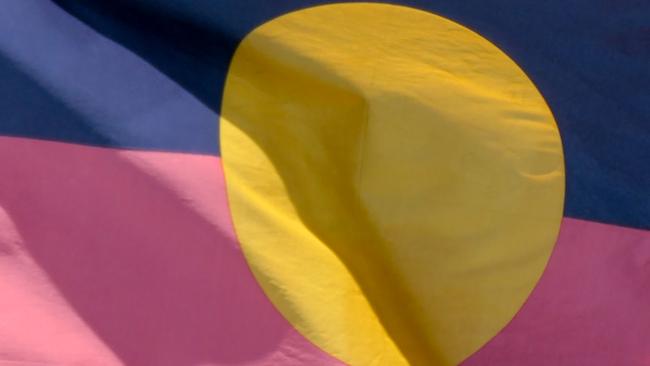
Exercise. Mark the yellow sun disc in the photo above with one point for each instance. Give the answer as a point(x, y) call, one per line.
point(396, 181)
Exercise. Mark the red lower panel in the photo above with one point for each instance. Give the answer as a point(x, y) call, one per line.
point(112, 256)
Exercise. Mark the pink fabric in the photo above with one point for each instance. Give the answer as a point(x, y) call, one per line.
point(114, 257)
point(590, 307)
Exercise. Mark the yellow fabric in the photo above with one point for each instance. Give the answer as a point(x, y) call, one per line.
point(396, 181)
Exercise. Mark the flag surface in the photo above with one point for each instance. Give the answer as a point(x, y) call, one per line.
point(324, 183)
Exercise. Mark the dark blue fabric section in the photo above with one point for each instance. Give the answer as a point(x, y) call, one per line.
point(117, 98)
point(589, 58)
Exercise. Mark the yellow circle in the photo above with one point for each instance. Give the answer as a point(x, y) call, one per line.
point(396, 181)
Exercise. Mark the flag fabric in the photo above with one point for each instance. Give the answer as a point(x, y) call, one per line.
point(303, 182)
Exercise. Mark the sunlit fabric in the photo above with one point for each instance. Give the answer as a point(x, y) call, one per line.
point(324, 183)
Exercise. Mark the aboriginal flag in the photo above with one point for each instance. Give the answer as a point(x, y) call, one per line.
point(306, 182)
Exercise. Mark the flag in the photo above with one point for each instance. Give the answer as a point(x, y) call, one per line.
point(324, 183)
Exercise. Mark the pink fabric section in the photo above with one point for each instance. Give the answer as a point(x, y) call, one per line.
point(591, 307)
point(112, 257)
